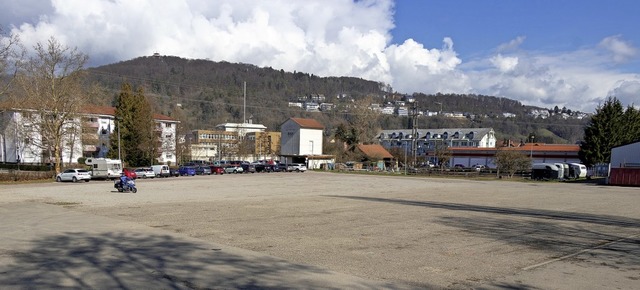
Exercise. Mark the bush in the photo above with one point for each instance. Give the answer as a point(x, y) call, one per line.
point(19, 175)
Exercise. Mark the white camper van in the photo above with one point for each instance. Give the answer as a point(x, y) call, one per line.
point(104, 168)
point(161, 170)
point(577, 170)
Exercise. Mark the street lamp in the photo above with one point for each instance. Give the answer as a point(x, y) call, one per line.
point(119, 147)
point(311, 141)
point(533, 137)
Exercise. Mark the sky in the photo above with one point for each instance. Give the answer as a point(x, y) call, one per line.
point(565, 53)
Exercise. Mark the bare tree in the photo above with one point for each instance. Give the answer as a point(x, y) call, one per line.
point(49, 88)
point(509, 161)
point(442, 153)
point(11, 53)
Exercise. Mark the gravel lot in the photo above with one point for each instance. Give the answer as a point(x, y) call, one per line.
point(425, 232)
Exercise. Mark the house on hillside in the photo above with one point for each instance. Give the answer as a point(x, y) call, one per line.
point(301, 141)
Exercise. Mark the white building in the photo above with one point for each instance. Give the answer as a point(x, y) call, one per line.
point(241, 128)
point(625, 165)
point(88, 136)
point(301, 142)
point(426, 140)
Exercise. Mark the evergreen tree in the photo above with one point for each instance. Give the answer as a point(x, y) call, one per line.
point(606, 130)
point(631, 120)
point(138, 136)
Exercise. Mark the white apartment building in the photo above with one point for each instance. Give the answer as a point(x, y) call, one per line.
point(89, 136)
point(426, 140)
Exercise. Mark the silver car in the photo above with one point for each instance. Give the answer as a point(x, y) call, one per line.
point(74, 175)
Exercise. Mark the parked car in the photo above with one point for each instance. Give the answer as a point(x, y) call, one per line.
point(128, 172)
point(161, 170)
point(74, 175)
point(479, 167)
point(217, 169)
point(233, 169)
point(297, 167)
point(272, 168)
point(260, 167)
point(145, 172)
point(187, 171)
point(248, 168)
point(203, 170)
point(458, 166)
point(283, 167)
point(174, 171)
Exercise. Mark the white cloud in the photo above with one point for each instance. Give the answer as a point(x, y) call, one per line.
point(326, 38)
point(511, 45)
point(504, 64)
point(628, 92)
point(621, 50)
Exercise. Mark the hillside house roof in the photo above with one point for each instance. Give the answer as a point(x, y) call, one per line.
point(308, 123)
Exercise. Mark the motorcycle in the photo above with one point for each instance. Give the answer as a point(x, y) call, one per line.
point(129, 186)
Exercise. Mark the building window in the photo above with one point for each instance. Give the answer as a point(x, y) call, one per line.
point(167, 125)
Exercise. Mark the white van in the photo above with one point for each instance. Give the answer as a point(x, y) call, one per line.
point(161, 170)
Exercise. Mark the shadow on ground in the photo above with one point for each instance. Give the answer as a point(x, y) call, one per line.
point(599, 240)
point(138, 261)
point(608, 220)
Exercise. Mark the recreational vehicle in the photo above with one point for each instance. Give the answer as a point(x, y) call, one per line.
point(544, 171)
point(104, 168)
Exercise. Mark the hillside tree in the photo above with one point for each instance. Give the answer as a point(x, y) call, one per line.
point(49, 90)
point(606, 129)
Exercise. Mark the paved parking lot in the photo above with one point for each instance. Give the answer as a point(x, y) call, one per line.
point(407, 231)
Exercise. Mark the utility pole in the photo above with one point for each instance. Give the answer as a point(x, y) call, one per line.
point(414, 131)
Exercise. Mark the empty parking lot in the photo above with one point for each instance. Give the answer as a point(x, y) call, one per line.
point(409, 231)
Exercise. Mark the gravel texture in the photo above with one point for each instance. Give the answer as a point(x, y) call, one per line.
point(425, 232)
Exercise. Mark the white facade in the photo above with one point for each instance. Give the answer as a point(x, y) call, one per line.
point(626, 156)
point(241, 128)
point(20, 142)
point(300, 139)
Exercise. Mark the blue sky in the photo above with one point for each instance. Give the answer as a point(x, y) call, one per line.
point(564, 53)
point(478, 27)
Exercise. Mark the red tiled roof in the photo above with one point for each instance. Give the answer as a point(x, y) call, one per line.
point(98, 110)
point(308, 123)
point(528, 147)
point(374, 151)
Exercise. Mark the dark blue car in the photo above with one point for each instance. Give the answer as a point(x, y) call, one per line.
point(187, 170)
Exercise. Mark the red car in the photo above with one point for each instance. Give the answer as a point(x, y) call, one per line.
point(130, 173)
point(216, 169)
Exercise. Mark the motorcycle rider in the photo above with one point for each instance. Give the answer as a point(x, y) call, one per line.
point(125, 181)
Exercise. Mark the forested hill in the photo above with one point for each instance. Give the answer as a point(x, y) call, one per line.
point(211, 93)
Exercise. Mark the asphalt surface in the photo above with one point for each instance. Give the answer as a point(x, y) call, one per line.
point(319, 230)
